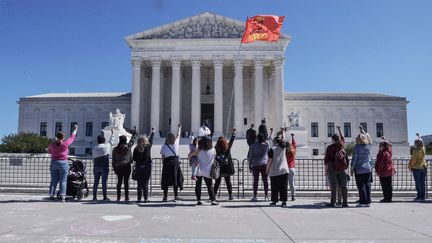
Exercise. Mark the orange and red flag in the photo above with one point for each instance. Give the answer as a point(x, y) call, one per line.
point(263, 28)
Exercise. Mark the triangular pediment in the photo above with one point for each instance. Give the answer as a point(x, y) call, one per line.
point(203, 26)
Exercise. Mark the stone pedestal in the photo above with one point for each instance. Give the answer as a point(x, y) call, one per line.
point(117, 133)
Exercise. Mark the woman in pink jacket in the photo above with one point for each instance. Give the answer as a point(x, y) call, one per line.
point(385, 169)
point(59, 163)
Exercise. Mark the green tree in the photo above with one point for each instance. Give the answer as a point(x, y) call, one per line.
point(24, 143)
point(349, 148)
point(429, 149)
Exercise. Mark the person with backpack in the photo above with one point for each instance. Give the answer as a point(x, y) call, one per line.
point(361, 167)
point(336, 163)
point(277, 169)
point(206, 155)
point(418, 166)
point(258, 165)
point(290, 156)
point(59, 166)
point(223, 157)
point(101, 164)
point(385, 169)
point(171, 171)
point(121, 163)
point(143, 164)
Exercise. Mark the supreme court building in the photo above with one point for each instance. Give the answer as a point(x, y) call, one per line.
point(195, 69)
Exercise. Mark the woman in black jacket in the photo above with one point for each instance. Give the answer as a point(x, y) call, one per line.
point(121, 163)
point(143, 164)
point(223, 156)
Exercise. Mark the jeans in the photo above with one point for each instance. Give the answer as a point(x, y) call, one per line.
point(99, 172)
point(291, 182)
point(59, 170)
point(256, 171)
point(143, 173)
point(279, 186)
point(337, 179)
point(420, 179)
point(363, 182)
point(209, 185)
point(227, 182)
point(387, 188)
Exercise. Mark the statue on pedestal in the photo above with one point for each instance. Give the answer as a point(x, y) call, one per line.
point(294, 119)
point(115, 123)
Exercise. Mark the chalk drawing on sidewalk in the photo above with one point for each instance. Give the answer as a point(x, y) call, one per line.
point(70, 239)
point(117, 217)
point(103, 226)
point(200, 240)
point(164, 218)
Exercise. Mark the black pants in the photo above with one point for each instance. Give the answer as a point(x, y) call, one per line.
point(143, 173)
point(209, 184)
point(363, 182)
point(338, 180)
point(123, 175)
point(387, 188)
point(228, 184)
point(279, 188)
point(165, 191)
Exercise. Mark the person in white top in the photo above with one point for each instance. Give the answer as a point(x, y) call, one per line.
point(171, 171)
point(204, 131)
point(206, 156)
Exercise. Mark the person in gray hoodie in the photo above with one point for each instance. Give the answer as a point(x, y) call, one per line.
point(258, 165)
point(361, 166)
point(101, 164)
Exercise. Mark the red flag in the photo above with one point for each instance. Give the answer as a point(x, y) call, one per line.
point(262, 27)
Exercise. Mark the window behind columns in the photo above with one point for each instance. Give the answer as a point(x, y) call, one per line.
point(347, 129)
point(364, 125)
point(314, 129)
point(89, 129)
point(379, 130)
point(330, 129)
point(43, 129)
point(58, 127)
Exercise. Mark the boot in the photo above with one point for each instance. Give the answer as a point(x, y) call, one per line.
point(292, 198)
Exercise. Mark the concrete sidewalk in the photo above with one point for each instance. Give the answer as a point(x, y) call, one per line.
point(29, 218)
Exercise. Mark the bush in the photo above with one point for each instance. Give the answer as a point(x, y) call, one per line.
point(349, 148)
point(24, 143)
point(429, 149)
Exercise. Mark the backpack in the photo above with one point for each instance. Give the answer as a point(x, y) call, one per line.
point(226, 164)
point(215, 170)
point(341, 160)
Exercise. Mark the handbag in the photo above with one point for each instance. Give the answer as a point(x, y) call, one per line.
point(134, 173)
point(215, 170)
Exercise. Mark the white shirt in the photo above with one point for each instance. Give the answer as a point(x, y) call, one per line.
point(206, 160)
point(204, 131)
point(166, 151)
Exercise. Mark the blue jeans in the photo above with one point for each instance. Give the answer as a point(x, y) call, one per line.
point(420, 179)
point(363, 182)
point(59, 170)
point(99, 172)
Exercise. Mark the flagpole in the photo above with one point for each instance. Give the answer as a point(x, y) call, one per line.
point(233, 89)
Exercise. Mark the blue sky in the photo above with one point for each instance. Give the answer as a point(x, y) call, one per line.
point(337, 46)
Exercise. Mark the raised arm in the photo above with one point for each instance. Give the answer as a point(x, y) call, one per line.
point(111, 140)
point(271, 134)
point(70, 140)
point(234, 133)
point(342, 138)
point(293, 142)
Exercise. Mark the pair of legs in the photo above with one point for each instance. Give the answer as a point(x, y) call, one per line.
point(256, 171)
point(291, 182)
point(387, 188)
point(420, 181)
point(165, 192)
point(363, 182)
point(210, 190)
point(59, 170)
point(337, 179)
point(279, 187)
point(99, 172)
point(123, 175)
point(228, 184)
point(144, 174)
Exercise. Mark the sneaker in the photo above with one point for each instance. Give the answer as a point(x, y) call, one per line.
point(284, 205)
point(360, 205)
point(199, 203)
point(164, 199)
point(230, 197)
point(266, 198)
point(254, 199)
point(177, 199)
point(146, 200)
point(127, 199)
point(344, 205)
point(138, 201)
point(273, 204)
point(106, 199)
point(367, 205)
point(214, 203)
point(51, 198)
point(193, 178)
point(94, 199)
point(292, 198)
point(62, 199)
point(385, 201)
point(331, 205)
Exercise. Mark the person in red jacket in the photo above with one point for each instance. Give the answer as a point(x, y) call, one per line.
point(290, 156)
point(385, 169)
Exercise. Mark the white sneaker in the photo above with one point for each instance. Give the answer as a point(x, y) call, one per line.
point(360, 205)
point(254, 199)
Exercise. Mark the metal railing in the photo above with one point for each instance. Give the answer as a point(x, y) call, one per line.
point(34, 172)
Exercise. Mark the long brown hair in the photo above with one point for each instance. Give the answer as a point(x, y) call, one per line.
point(142, 142)
point(221, 145)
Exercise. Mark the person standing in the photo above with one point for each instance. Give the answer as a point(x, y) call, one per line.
point(143, 164)
point(204, 131)
point(223, 157)
point(336, 176)
point(206, 157)
point(59, 166)
point(171, 171)
point(121, 163)
point(262, 129)
point(385, 169)
point(251, 137)
point(277, 169)
point(418, 166)
point(258, 165)
point(291, 156)
point(361, 166)
point(101, 164)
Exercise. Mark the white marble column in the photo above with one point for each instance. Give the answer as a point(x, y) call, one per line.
point(218, 95)
point(258, 90)
point(155, 94)
point(279, 91)
point(175, 93)
point(196, 95)
point(135, 104)
point(238, 95)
